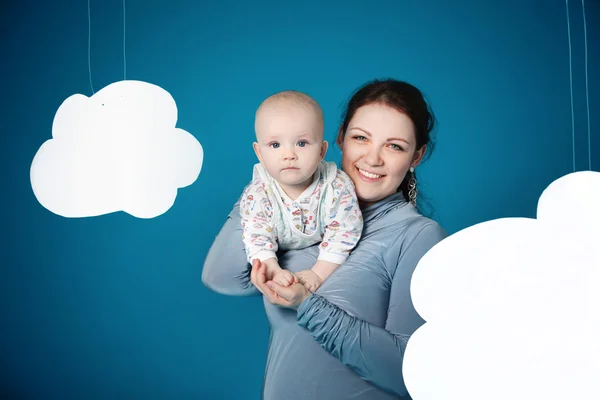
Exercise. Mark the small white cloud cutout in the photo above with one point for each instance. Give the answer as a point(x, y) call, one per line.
point(118, 150)
point(513, 305)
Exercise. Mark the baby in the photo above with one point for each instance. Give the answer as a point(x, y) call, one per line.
point(295, 198)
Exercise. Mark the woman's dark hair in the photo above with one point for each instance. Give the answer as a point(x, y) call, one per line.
point(403, 97)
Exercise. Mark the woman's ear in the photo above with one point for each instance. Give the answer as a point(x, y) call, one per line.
point(340, 138)
point(418, 156)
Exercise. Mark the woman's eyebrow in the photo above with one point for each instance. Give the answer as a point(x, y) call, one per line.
point(389, 139)
point(399, 139)
point(361, 129)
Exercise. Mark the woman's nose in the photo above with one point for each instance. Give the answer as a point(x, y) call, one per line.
point(373, 157)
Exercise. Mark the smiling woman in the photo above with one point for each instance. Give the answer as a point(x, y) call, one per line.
point(346, 340)
point(378, 162)
point(384, 135)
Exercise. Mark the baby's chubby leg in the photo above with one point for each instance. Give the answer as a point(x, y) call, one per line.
point(277, 274)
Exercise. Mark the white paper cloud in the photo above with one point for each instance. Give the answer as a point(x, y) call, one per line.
point(118, 150)
point(513, 305)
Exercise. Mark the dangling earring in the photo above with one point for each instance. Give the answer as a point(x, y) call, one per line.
point(412, 187)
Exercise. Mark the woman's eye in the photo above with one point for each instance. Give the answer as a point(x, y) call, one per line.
point(396, 147)
point(359, 137)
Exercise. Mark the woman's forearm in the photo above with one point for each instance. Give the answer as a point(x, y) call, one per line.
point(375, 354)
point(226, 269)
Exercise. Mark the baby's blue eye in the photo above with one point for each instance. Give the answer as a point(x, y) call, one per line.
point(275, 145)
point(302, 144)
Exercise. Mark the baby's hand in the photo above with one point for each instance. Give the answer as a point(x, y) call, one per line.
point(284, 278)
point(309, 279)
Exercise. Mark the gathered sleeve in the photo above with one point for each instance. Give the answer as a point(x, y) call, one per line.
point(375, 353)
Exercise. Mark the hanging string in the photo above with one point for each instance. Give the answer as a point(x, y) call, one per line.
point(571, 84)
point(587, 96)
point(89, 46)
point(124, 59)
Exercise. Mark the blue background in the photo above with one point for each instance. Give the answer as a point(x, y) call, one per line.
point(113, 306)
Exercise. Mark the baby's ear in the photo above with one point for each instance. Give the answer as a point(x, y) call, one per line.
point(257, 151)
point(324, 147)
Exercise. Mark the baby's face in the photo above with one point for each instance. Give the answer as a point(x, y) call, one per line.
point(289, 144)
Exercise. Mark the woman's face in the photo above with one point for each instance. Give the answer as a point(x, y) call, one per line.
point(378, 150)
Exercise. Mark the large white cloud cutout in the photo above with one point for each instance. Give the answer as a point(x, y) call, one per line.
point(118, 150)
point(513, 305)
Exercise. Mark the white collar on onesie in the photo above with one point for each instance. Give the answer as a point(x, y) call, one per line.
point(326, 171)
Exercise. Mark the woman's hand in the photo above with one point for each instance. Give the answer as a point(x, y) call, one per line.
point(288, 297)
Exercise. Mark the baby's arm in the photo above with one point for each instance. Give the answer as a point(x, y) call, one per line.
point(259, 234)
point(343, 230)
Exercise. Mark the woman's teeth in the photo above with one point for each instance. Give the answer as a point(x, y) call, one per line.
point(369, 175)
